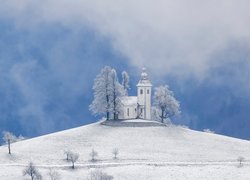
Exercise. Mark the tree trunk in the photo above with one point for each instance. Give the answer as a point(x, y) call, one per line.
point(9, 146)
point(114, 100)
point(107, 115)
point(162, 116)
point(31, 175)
point(107, 100)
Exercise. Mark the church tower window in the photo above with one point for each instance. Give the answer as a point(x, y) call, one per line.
point(141, 91)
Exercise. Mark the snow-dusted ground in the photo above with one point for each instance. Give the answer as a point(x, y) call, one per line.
point(146, 152)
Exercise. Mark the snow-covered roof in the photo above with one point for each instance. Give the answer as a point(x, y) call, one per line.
point(129, 100)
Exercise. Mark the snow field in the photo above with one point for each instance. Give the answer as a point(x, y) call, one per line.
point(157, 152)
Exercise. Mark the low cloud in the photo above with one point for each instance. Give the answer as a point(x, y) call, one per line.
point(169, 37)
point(202, 45)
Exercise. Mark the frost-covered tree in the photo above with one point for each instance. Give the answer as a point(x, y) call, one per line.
point(93, 154)
point(67, 153)
point(9, 138)
point(240, 160)
point(99, 175)
point(156, 115)
point(102, 93)
point(117, 92)
point(107, 93)
point(115, 152)
point(54, 175)
point(165, 102)
point(125, 82)
point(73, 157)
point(32, 171)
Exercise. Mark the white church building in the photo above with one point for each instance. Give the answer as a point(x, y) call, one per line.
point(138, 107)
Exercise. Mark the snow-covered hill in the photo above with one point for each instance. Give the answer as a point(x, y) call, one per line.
point(146, 151)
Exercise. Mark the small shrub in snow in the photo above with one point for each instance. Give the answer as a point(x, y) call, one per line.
point(73, 157)
point(99, 175)
point(32, 171)
point(240, 160)
point(115, 152)
point(208, 131)
point(54, 175)
point(93, 155)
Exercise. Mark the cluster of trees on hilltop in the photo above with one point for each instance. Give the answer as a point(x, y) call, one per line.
point(108, 91)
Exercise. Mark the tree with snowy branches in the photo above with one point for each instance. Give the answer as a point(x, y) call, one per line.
point(53, 174)
point(107, 93)
point(93, 154)
point(73, 157)
point(125, 82)
point(32, 171)
point(117, 92)
point(115, 152)
point(102, 93)
point(165, 103)
point(9, 138)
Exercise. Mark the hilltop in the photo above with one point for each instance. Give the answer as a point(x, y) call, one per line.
point(148, 150)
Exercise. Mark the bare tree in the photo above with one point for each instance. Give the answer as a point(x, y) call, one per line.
point(115, 152)
point(99, 175)
point(240, 160)
point(93, 155)
point(67, 153)
point(54, 175)
point(32, 171)
point(73, 157)
point(9, 138)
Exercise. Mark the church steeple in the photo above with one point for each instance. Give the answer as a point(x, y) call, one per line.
point(144, 78)
point(144, 87)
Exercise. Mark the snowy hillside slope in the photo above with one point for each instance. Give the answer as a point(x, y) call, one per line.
point(146, 152)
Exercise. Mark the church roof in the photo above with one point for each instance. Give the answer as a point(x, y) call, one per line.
point(129, 100)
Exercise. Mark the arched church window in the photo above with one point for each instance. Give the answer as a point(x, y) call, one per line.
point(128, 112)
point(148, 91)
point(141, 91)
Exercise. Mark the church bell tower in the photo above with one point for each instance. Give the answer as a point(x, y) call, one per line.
point(144, 89)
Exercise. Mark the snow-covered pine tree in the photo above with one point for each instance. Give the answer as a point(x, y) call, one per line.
point(117, 92)
point(102, 93)
point(165, 102)
point(125, 82)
